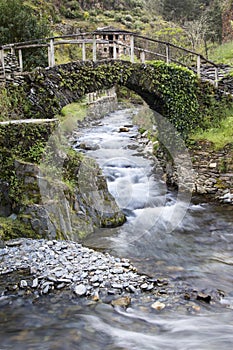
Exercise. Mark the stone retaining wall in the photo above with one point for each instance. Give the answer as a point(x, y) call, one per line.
point(103, 105)
point(212, 171)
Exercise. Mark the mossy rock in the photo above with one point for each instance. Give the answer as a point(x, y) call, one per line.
point(15, 228)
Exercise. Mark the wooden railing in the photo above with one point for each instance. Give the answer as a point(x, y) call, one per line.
point(136, 47)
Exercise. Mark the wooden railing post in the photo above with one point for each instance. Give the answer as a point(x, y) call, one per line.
point(51, 53)
point(167, 53)
point(114, 51)
point(83, 51)
point(2, 61)
point(20, 60)
point(142, 56)
point(132, 49)
point(12, 50)
point(216, 77)
point(94, 48)
point(199, 66)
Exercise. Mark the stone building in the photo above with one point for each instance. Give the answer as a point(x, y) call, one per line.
point(118, 39)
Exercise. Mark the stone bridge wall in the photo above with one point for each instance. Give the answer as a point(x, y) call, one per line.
point(11, 66)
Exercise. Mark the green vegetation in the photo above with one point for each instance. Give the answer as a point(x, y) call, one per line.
point(11, 228)
point(192, 24)
point(13, 103)
point(178, 88)
point(20, 23)
point(220, 136)
point(24, 142)
point(75, 110)
point(222, 53)
point(71, 114)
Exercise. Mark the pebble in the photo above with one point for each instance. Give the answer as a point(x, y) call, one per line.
point(158, 306)
point(96, 296)
point(117, 286)
point(131, 288)
point(23, 284)
point(61, 285)
point(80, 290)
point(123, 302)
point(144, 286)
point(35, 283)
point(94, 279)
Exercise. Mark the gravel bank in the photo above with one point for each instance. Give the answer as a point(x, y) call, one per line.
point(55, 265)
point(36, 268)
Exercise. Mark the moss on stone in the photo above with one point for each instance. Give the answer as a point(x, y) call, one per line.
point(15, 228)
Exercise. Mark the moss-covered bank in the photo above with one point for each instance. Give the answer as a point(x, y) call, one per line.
point(47, 189)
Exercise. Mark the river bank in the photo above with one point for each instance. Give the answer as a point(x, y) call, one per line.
point(41, 177)
point(211, 170)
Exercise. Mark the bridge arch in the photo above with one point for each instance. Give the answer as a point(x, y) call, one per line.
point(168, 89)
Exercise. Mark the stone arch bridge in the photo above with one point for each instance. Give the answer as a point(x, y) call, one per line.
point(172, 91)
point(175, 86)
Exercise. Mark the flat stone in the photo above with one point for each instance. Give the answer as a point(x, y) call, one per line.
point(144, 286)
point(46, 289)
point(117, 286)
point(94, 279)
point(132, 289)
point(112, 291)
point(213, 165)
point(14, 243)
point(117, 271)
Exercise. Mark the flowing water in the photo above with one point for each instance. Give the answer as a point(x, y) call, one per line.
point(197, 251)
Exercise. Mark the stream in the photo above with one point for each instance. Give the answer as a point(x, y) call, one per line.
point(196, 252)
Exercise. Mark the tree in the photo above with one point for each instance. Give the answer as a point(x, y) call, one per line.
point(18, 23)
point(207, 28)
point(183, 10)
point(197, 31)
point(214, 13)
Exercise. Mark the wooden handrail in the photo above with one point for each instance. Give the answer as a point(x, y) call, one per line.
point(176, 47)
point(92, 38)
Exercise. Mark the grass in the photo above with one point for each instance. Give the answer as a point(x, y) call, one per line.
point(222, 53)
point(220, 136)
point(71, 114)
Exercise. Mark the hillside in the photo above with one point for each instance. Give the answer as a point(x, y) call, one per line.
point(194, 24)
